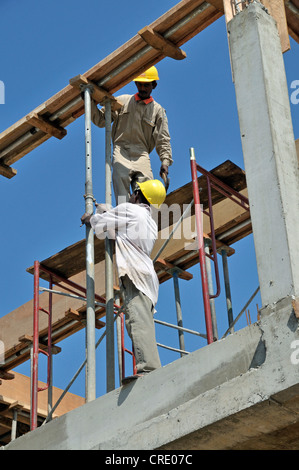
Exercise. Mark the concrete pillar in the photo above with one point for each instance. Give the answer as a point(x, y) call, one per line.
point(268, 148)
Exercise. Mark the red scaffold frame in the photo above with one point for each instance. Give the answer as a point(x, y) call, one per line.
point(227, 191)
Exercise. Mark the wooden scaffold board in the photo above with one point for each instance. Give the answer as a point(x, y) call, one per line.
point(162, 38)
point(70, 263)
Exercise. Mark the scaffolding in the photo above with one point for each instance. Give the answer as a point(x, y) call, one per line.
point(114, 310)
point(98, 306)
point(50, 119)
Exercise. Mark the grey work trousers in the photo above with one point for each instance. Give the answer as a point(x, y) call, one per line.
point(127, 171)
point(140, 326)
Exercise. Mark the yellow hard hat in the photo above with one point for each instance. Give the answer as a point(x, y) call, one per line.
point(154, 191)
point(150, 75)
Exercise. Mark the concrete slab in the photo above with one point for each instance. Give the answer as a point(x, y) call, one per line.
point(173, 406)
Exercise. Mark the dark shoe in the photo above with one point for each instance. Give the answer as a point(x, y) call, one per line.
point(130, 378)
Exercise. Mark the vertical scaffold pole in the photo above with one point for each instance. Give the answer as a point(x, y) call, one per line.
point(178, 309)
point(90, 393)
point(110, 364)
point(227, 289)
point(50, 357)
point(210, 284)
point(35, 348)
point(202, 261)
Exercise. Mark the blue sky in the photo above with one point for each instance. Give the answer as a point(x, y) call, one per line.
point(43, 45)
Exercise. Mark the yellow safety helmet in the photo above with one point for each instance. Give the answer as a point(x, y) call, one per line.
point(150, 75)
point(154, 191)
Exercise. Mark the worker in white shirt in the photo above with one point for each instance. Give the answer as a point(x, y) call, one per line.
point(138, 127)
point(135, 233)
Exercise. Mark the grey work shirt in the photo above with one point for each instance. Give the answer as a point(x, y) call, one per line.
point(138, 127)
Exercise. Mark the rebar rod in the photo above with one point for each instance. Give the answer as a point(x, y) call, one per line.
point(172, 349)
point(187, 330)
point(242, 311)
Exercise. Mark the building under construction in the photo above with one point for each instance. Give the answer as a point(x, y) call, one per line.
point(239, 391)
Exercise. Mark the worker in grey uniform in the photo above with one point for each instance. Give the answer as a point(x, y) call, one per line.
point(135, 233)
point(138, 127)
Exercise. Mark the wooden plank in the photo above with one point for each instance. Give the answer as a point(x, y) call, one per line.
point(7, 171)
point(113, 72)
point(47, 127)
point(276, 8)
point(162, 44)
point(79, 316)
point(117, 69)
point(29, 339)
point(18, 390)
point(218, 4)
point(17, 152)
point(72, 259)
point(98, 93)
point(161, 263)
point(6, 375)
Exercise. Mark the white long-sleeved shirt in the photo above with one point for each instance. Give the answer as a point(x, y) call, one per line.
point(135, 233)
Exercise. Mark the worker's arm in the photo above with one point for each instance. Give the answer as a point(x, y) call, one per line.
point(97, 115)
point(163, 146)
point(110, 222)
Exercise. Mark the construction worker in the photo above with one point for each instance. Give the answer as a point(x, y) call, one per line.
point(135, 233)
point(138, 127)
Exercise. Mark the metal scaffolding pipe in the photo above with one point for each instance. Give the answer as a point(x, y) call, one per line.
point(77, 374)
point(110, 361)
point(204, 279)
point(50, 357)
point(186, 211)
point(90, 393)
point(23, 139)
point(211, 290)
point(178, 309)
point(227, 289)
point(14, 425)
point(35, 347)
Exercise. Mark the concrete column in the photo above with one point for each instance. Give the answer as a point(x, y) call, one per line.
point(269, 149)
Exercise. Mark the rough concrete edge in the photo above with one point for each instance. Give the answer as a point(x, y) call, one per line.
point(188, 417)
point(196, 413)
point(250, 345)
